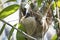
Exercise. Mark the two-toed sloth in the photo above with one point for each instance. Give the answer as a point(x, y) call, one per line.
point(32, 23)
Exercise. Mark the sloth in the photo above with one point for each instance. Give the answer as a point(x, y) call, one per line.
point(32, 25)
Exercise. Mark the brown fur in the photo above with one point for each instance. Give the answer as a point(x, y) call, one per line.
point(33, 27)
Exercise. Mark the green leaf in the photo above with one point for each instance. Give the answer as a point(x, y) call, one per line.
point(19, 35)
point(2, 28)
point(54, 37)
point(1, 6)
point(11, 32)
point(58, 3)
point(8, 11)
point(11, 1)
point(39, 2)
point(54, 5)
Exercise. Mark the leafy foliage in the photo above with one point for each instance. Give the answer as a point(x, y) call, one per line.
point(13, 8)
point(54, 37)
point(1, 7)
point(11, 32)
point(8, 11)
point(19, 35)
point(2, 28)
point(58, 3)
point(39, 2)
point(53, 6)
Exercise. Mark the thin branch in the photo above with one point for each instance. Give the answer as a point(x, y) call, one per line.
point(58, 20)
point(43, 3)
point(19, 30)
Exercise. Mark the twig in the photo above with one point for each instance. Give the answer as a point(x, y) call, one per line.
point(58, 20)
point(19, 30)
